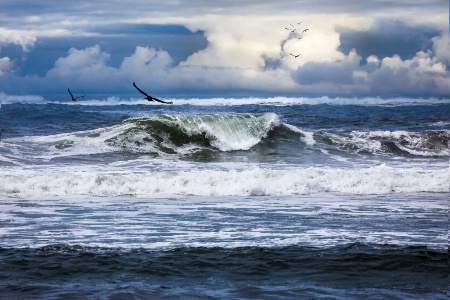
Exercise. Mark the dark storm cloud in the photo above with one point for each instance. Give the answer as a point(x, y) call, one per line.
point(118, 40)
point(333, 72)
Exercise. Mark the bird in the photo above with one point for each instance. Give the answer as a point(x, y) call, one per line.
point(291, 30)
point(74, 98)
point(295, 55)
point(305, 30)
point(150, 98)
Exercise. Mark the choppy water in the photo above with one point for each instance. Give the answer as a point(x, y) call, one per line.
point(279, 198)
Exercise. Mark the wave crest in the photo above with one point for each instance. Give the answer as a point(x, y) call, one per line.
point(172, 134)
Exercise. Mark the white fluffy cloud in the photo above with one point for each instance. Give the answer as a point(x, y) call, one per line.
point(5, 65)
point(23, 38)
point(425, 73)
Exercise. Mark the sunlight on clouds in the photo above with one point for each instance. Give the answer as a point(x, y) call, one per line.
point(87, 61)
point(146, 65)
point(236, 42)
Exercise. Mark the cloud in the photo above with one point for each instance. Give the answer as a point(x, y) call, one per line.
point(18, 37)
point(5, 65)
point(334, 72)
point(230, 47)
point(81, 62)
point(441, 49)
point(425, 73)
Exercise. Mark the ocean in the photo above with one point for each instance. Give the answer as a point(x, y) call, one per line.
point(250, 198)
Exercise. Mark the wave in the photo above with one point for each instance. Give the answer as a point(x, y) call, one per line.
point(174, 133)
point(202, 136)
point(399, 143)
point(160, 135)
point(9, 99)
point(220, 101)
point(256, 181)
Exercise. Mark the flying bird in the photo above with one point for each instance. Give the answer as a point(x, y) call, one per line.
point(74, 98)
point(295, 55)
point(305, 30)
point(148, 97)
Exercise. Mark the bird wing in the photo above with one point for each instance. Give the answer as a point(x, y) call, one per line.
point(70, 92)
point(73, 98)
point(156, 99)
point(142, 92)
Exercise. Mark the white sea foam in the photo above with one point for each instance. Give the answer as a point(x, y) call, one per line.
point(7, 99)
point(63, 181)
point(281, 101)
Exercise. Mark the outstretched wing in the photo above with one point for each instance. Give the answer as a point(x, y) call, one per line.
point(159, 100)
point(142, 92)
point(73, 98)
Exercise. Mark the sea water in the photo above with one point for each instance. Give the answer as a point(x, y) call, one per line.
point(255, 198)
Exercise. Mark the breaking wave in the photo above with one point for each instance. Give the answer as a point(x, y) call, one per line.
point(181, 136)
point(256, 181)
point(400, 143)
point(172, 133)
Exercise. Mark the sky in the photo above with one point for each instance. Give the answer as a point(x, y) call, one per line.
point(226, 48)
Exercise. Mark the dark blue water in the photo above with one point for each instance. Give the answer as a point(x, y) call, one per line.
point(275, 198)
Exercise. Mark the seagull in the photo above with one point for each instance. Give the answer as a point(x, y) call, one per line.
point(148, 97)
point(305, 30)
point(296, 55)
point(291, 30)
point(74, 98)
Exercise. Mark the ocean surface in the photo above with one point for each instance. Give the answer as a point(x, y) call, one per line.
point(254, 198)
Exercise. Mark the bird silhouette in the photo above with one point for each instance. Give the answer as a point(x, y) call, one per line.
point(150, 98)
point(305, 30)
point(74, 98)
point(295, 56)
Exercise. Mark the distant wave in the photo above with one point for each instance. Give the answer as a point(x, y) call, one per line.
point(401, 143)
point(9, 99)
point(64, 181)
point(219, 101)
